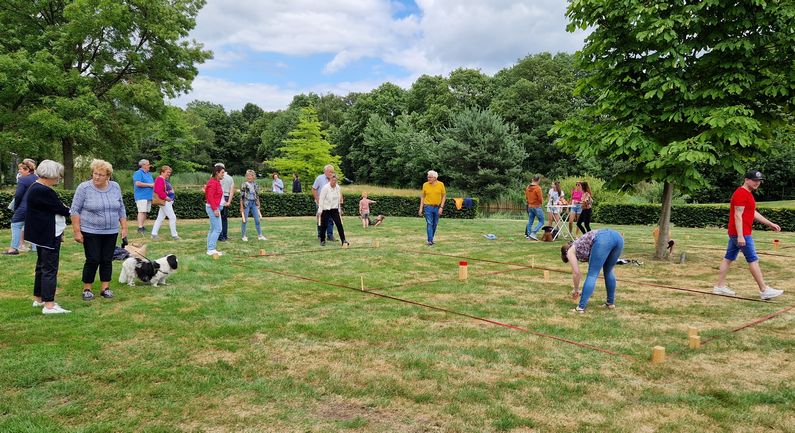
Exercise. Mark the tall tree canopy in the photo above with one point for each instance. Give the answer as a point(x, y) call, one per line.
point(680, 87)
point(306, 150)
point(81, 73)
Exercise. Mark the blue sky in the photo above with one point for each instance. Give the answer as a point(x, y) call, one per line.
point(266, 51)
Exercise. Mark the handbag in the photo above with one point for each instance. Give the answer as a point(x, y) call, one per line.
point(157, 201)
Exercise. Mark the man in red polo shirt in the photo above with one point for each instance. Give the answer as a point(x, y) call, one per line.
point(742, 214)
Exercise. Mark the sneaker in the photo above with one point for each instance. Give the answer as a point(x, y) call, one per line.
point(322, 243)
point(37, 304)
point(770, 293)
point(107, 294)
point(56, 309)
point(176, 238)
point(88, 295)
point(11, 253)
point(331, 239)
point(155, 237)
point(141, 230)
point(346, 243)
point(23, 248)
point(261, 238)
point(609, 306)
point(214, 252)
point(578, 310)
point(723, 291)
point(245, 238)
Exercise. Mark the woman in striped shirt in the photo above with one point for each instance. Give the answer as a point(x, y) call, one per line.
point(98, 215)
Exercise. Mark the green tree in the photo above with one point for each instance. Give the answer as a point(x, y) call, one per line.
point(173, 142)
point(481, 153)
point(680, 87)
point(533, 95)
point(84, 70)
point(306, 150)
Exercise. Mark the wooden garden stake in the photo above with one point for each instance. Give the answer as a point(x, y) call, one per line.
point(546, 275)
point(658, 355)
point(463, 272)
point(694, 341)
point(692, 331)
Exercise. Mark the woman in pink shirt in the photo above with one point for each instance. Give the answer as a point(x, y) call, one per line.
point(213, 195)
point(576, 206)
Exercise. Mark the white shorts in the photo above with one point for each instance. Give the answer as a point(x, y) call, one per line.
point(143, 205)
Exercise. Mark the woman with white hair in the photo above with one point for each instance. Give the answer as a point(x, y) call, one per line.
point(45, 220)
point(98, 215)
point(432, 203)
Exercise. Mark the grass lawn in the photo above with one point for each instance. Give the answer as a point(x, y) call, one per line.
point(289, 343)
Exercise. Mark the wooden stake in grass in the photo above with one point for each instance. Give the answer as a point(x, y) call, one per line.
point(262, 252)
point(361, 277)
point(546, 275)
point(462, 271)
point(692, 331)
point(533, 262)
point(775, 244)
point(377, 243)
point(658, 355)
point(694, 341)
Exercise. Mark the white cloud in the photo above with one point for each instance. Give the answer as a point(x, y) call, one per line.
point(442, 36)
point(233, 96)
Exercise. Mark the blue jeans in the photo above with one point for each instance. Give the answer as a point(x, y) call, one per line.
point(329, 229)
point(16, 234)
point(215, 228)
point(534, 212)
point(431, 221)
point(606, 250)
point(749, 250)
point(251, 207)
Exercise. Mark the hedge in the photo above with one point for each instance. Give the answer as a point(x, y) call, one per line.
point(689, 215)
point(190, 205)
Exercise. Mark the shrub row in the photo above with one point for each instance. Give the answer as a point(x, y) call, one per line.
point(190, 205)
point(695, 215)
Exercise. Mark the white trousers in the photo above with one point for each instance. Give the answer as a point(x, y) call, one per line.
point(164, 211)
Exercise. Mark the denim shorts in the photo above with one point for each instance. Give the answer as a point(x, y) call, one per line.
point(576, 209)
point(749, 251)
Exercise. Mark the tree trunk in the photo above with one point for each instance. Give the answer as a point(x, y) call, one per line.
point(665, 222)
point(68, 162)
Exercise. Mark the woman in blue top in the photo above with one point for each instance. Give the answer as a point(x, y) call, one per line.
point(26, 178)
point(98, 214)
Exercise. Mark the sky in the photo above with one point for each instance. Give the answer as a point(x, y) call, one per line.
point(267, 51)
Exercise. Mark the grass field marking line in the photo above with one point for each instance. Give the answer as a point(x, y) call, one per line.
point(623, 280)
point(754, 323)
point(740, 328)
point(682, 289)
point(444, 310)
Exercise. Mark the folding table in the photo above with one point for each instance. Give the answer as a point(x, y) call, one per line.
point(561, 227)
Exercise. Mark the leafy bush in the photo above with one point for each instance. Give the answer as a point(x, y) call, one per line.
point(190, 205)
point(684, 215)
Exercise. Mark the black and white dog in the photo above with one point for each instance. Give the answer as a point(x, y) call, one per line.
point(154, 272)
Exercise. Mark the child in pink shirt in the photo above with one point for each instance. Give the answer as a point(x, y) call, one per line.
point(364, 209)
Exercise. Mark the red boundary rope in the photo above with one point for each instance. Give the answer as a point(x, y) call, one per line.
point(525, 267)
point(456, 313)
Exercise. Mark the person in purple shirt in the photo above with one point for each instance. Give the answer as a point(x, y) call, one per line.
point(98, 215)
